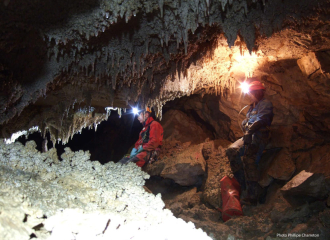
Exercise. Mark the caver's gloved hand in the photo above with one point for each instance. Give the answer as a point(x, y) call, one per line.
point(140, 149)
point(244, 123)
point(247, 138)
point(133, 152)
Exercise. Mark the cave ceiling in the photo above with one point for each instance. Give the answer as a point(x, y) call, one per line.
point(63, 62)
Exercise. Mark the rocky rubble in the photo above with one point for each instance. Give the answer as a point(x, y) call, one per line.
point(278, 215)
point(75, 198)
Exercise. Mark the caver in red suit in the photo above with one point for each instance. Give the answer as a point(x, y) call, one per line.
point(147, 148)
point(150, 139)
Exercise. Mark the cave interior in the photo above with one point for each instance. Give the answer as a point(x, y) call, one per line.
point(72, 71)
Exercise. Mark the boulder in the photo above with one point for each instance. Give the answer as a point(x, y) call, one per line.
point(282, 167)
point(179, 126)
point(265, 180)
point(283, 211)
point(185, 167)
point(306, 184)
point(279, 209)
point(309, 63)
point(276, 164)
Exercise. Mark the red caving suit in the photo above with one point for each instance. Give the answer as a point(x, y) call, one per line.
point(151, 138)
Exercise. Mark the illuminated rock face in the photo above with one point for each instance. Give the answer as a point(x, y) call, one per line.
point(77, 198)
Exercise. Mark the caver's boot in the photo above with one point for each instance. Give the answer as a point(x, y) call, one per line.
point(252, 194)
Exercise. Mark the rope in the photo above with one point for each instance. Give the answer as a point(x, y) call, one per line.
point(238, 118)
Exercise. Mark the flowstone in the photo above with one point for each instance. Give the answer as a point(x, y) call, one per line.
point(76, 198)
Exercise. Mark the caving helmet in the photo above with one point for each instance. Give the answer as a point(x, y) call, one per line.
point(256, 85)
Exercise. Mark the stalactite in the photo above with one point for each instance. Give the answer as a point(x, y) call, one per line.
point(161, 7)
point(197, 6)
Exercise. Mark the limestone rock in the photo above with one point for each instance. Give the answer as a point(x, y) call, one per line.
point(178, 126)
point(207, 109)
point(80, 199)
point(180, 162)
point(217, 167)
point(324, 59)
point(306, 184)
point(169, 149)
point(183, 201)
point(284, 211)
point(280, 207)
point(309, 63)
point(251, 226)
point(187, 167)
point(300, 228)
point(325, 218)
point(10, 229)
point(316, 160)
point(282, 166)
point(265, 180)
point(12, 216)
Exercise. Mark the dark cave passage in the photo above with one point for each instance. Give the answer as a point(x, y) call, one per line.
point(110, 142)
point(115, 137)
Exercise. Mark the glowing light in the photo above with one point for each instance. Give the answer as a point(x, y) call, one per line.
point(245, 87)
point(135, 111)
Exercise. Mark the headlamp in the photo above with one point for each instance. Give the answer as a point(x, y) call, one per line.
point(245, 87)
point(135, 111)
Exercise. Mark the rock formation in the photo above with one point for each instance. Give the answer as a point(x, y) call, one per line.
point(76, 198)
